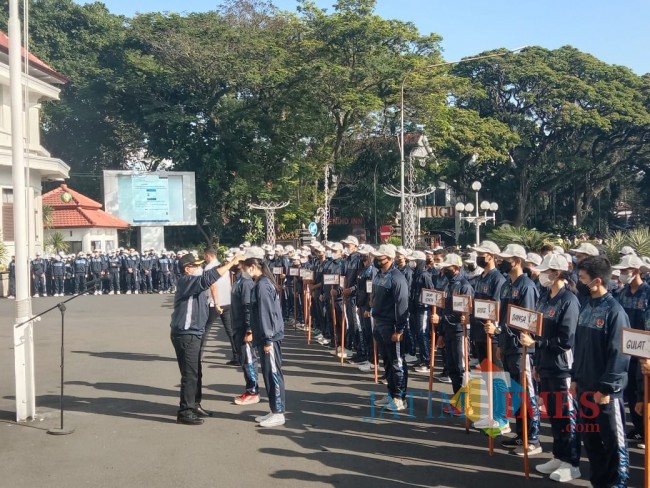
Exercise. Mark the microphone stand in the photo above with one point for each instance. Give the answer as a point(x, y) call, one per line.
point(62, 308)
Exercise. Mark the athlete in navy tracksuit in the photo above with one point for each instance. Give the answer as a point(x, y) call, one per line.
point(187, 327)
point(390, 308)
point(599, 377)
point(353, 266)
point(363, 307)
point(58, 272)
point(268, 332)
point(419, 314)
point(240, 308)
point(553, 362)
point(518, 290)
point(449, 322)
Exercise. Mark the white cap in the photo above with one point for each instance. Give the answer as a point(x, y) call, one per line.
point(471, 257)
point(254, 252)
point(627, 251)
point(351, 240)
point(392, 246)
point(513, 251)
point(488, 247)
point(630, 262)
point(616, 273)
point(384, 250)
point(558, 249)
point(415, 255)
point(452, 259)
point(556, 262)
point(335, 246)
point(366, 249)
point(289, 248)
point(586, 248)
point(402, 250)
point(534, 258)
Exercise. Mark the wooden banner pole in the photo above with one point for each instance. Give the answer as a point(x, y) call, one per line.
point(523, 412)
point(490, 392)
point(466, 361)
point(432, 358)
point(646, 424)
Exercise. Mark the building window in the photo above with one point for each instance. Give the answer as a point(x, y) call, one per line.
point(7, 215)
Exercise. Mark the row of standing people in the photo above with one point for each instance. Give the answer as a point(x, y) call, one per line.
point(116, 272)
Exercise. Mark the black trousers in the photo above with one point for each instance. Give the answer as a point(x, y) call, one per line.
point(631, 395)
point(561, 407)
point(80, 283)
point(604, 440)
point(188, 348)
point(57, 282)
point(248, 361)
point(226, 320)
point(273, 378)
point(392, 354)
point(455, 357)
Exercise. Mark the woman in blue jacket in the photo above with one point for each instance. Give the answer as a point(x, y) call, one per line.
point(267, 326)
point(553, 361)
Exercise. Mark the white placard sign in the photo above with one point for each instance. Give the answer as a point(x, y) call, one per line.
point(527, 320)
point(636, 343)
point(294, 272)
point(277, 271)
point(331, 279)
point(434, 298)
point(369, 286)
point(461, 303)
point(486, 310)
point(308, 275)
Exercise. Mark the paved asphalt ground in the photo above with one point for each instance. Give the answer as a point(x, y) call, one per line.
point(121, 395)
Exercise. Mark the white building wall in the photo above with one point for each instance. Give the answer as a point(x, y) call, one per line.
point(90, 238)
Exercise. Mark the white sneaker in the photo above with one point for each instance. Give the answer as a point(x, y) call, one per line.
point(549, 467)
point(399, 404)
point(345, 354)
point(136, 292)
point(36, 296)
point(410, 359)
point(274, 420)
point(128, 292)
point(117, 292)
point(319, 337)
point(485, 423)
point(367, 367)
point(335, 352)
point(422, 369)
point(262, 418)
point(565, 472)
point(532, 449)
point(111, 292)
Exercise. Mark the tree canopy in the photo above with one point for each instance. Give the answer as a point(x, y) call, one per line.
point(258, 101)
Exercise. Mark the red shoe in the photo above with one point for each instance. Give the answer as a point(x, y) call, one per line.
point(247, 399)
point(449, 410)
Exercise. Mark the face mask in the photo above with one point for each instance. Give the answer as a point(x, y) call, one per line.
point(328, 254)
point(480, 261)
point(626, 279)
point(505, 267)
point(197, 272)
point(377, 264)
point(545, 280)
point(449, 273)
point(471, 267)
point(584, 289)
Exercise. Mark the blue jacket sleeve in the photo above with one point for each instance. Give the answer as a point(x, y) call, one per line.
point(197, 284)
point(401, 297)
point(247, 289)
point(268, 295)
point(615, 377)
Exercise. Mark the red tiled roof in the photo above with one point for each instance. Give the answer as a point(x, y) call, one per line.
point(80, 211)
point(34, 61)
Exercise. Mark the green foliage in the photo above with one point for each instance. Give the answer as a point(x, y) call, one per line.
point(55, 243)
point(3, 250)
point(638, 239)
point(531, 239)
point(48, 216)
point(396, 241)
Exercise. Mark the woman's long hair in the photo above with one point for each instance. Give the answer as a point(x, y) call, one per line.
point(265, 271)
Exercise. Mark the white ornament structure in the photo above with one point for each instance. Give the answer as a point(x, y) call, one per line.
point(269, 208)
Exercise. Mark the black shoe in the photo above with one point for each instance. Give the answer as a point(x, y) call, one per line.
point(357, 359)
point(189, 420)
point(634, 435)
point(200, 412)
point(512, 443)
point(233, 362)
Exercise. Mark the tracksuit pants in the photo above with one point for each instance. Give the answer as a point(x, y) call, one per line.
point(561, 407)
point(272, 373)
point(353, 332)
point(513, 366)
point(604, 440)
point(392, 354)
point(57, 282)
point(40, 286)
point(420, 319)
point(248, 360)
point(114, 281)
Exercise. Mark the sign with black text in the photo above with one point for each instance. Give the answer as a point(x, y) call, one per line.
point(525, 320)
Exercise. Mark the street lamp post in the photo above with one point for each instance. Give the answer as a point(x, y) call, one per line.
point(401, 140)
point(477, 219)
